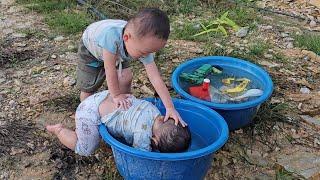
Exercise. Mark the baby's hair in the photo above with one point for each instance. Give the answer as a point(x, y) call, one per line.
point(151, 21)
point(173, 139)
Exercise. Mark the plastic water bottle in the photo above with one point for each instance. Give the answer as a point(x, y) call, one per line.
point(217, 96)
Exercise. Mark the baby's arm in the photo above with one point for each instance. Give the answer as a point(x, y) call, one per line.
point(162, 90)
point(112, 80)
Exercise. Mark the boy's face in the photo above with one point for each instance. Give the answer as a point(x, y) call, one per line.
point(141, 47)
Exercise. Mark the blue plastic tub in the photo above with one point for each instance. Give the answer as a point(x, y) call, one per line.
point(209, 133)
point(236, 115)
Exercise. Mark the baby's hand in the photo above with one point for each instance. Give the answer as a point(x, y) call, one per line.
point(122, 101)
point(173, 113)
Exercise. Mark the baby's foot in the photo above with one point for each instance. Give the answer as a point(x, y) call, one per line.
point(55, 129)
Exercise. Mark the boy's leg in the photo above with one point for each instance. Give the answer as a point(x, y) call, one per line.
point(89, 79)
point(66, 136)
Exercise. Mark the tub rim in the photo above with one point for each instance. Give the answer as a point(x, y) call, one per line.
point(220, 106)
point(220, 141)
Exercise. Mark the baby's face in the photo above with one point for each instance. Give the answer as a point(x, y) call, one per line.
point(141, 47)
point(158, 123)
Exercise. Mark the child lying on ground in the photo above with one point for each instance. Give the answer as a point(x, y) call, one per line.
point(141, 126)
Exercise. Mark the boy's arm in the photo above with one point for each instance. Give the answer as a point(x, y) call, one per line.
point(112, 80)
point(109, 60)
point(162, 90)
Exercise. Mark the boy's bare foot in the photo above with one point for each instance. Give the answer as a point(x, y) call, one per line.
point(55, 129)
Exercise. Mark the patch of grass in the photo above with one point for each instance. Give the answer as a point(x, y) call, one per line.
point(258, 48)
point(186, 31)
point(186, 6)
point(244, 16)
point(68, 22)
point(279, 57)
point(33, 32)
point(60, 15)
point(310, 41)
point(283, 175)
point(47, 6)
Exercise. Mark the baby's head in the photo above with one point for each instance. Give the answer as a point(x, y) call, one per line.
point(169, 138)
point(147, 32)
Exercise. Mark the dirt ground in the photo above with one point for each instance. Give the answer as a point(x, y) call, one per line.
point(37, 77)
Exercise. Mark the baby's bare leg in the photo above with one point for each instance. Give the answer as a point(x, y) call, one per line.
point(66, 136)
point(125, 81)
point(84, 95)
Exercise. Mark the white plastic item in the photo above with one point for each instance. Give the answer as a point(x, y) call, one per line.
point(248, 94)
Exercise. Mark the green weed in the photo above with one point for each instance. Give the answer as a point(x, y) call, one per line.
point(258, 48)
point(68, 22)
point(309, 41)
point(283, 175)
point(61, 15)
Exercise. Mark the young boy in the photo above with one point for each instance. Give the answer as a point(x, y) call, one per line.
point(109, 45)
point(141, 126)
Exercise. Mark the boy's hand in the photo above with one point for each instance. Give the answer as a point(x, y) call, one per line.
point(173, 113)
point(122, 101)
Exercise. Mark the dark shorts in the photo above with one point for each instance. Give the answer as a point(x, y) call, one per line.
point(89, 78)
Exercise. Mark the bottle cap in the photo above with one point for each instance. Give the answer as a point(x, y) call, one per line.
point(206, 80)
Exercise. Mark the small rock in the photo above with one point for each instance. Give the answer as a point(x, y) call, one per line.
point(2, 80)
point(305, 164)
point(245, 41)
point(71, 47)
point(242, 32)
point(306, 58)
point(288, 39)
point(12, 103)
point(266, 27)
point(269, 56)
point(196, 50)
point(313, 23)
point(316, 142)
point(305, 90)
point(30, 145)
point(1, 97)
point(239, 131)
point(19, 35)
point(19, 44)
point(290, 45)
point(15, 151)
point(53, 56)
point(57, 67)
point(4, 175)
point(218, 45)
point(69, 81)
point(311, 121)
point(283, 35)
point(313, 56)
point(197, 26)
point(59, 38)
point(17, 82)
point(176, 60)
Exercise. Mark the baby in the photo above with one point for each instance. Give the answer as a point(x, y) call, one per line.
point(140, 126)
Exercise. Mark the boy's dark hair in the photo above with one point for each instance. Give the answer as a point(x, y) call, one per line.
point(173, 139)
point(151, 21)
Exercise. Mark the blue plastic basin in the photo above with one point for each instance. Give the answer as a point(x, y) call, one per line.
point(236, 115)
point(209, 133)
